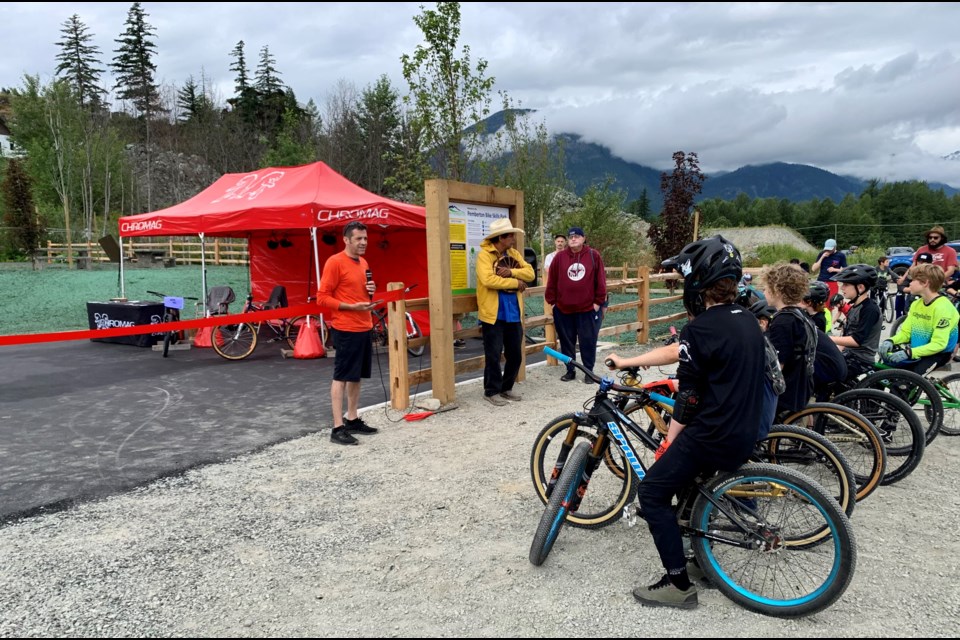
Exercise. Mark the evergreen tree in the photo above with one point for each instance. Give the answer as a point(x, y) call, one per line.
point(267, 79)
point(641, 206)
point(289, 150)
point(674, 229)
point(79, 63)
point(239, 67)
point(24, 231)
point(378, 116)
point(133, 64)
point(193, 101)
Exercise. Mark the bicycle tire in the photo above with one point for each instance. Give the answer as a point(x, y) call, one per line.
point(292, 330)
point(896, 324)
point(415, 332)
point(755, 578)
point(949, 390)
point(889, 311)
point(379, 335)
point(854, 435)
point(893, 417)
point(915, 390)
point(609, 493)
point(234, 341)
point(168, 336)
point(555, 514)
point(812, 454)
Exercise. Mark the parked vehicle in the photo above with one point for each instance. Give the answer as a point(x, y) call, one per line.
point(901, 261)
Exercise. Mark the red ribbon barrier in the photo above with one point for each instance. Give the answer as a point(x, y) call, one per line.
point(163, 327)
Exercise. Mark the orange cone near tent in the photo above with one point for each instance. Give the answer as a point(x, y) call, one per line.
point(203, 338)
point(308, 343)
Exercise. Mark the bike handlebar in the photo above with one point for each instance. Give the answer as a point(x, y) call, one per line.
point(613, 386)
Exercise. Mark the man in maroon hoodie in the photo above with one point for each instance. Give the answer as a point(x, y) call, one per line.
point(577, 289)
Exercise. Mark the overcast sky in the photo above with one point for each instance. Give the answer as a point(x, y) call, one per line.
point(868, 89)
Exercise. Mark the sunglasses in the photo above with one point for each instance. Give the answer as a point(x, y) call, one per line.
point(933, 237)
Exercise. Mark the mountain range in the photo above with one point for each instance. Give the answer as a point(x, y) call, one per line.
point(588, 163)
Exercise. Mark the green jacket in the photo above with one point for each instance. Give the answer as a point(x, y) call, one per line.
point(489, 284)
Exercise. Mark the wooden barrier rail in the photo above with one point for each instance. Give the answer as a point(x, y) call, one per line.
point(402, 379)
point(219, 251)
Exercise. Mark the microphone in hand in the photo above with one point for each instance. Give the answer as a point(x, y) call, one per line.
point(369, 280)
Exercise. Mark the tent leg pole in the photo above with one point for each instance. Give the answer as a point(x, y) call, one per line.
point(203, 269)
point(123, 292)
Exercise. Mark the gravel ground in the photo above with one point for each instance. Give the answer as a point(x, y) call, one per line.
point(424, 530)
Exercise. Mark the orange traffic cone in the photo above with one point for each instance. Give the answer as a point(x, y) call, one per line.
point(308, 344)
point(203, 338)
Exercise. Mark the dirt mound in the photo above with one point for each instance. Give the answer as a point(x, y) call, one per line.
point(749, 238)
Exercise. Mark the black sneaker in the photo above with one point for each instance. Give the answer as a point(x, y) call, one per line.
point(340, 435)
point(359, 426)
point(568, 376)
point(663, 594)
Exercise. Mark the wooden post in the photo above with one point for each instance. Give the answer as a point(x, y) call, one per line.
point(623, 277)
point(696, 223)
point(397, 350)
point(437, 197)
point(216, 251)
point(643, 309)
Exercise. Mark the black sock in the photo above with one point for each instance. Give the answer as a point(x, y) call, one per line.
point(679, 578)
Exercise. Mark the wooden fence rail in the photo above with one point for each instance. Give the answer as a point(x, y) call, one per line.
point(402, 379)
point(219, 251)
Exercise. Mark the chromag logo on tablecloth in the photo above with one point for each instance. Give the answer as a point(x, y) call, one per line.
point(104, 321)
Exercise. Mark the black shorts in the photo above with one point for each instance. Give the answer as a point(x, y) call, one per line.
point(354, 355)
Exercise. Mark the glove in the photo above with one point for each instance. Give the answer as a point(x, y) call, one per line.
point(662, 449)
point(898, 356)
point(885, 348)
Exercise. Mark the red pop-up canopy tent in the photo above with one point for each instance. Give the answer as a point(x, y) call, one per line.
point(293, 218)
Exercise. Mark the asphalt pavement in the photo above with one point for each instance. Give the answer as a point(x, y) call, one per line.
point(81, 420)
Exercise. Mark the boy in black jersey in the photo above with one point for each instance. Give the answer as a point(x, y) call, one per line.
point(861, 332)
point(785, 288)
point(714, 425)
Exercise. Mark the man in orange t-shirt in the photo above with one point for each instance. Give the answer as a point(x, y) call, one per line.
point(347, 287)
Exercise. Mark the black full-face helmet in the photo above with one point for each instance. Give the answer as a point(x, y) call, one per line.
point(817, 293)
point(762, 311)
point(703, 263)
point(858, 274)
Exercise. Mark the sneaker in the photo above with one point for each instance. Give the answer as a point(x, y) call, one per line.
point(359, 426)
point(496, 401)
point(511, 395)
point(459, 343)
point(887, 435)
point(663, 594)
point(340, 435)
point(587, 380)
point(568, 376)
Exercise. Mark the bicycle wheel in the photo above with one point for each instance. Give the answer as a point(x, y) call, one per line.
point(888, 309)
point(854, 435)
point(896, 324)
point(609, 492)
point(234, 341)
point(899, 427)
point(559, 505)
point(918, 392)
point(812, 454)
point(770, 568)
point(169, 337)
point(379, 334)
point(292, 330)
point(413, 331)
point(949, 389)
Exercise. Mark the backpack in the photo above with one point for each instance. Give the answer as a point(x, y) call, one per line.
point(808, 350)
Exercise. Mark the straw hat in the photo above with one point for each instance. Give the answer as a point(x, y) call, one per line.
point(500, 227)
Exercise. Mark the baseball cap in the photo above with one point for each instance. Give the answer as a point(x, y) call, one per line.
point(830, 244)
point(924, 258)
point(575, 231)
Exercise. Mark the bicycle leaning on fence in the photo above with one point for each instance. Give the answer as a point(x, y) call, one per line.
point(770, 538)
point(238, 341)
